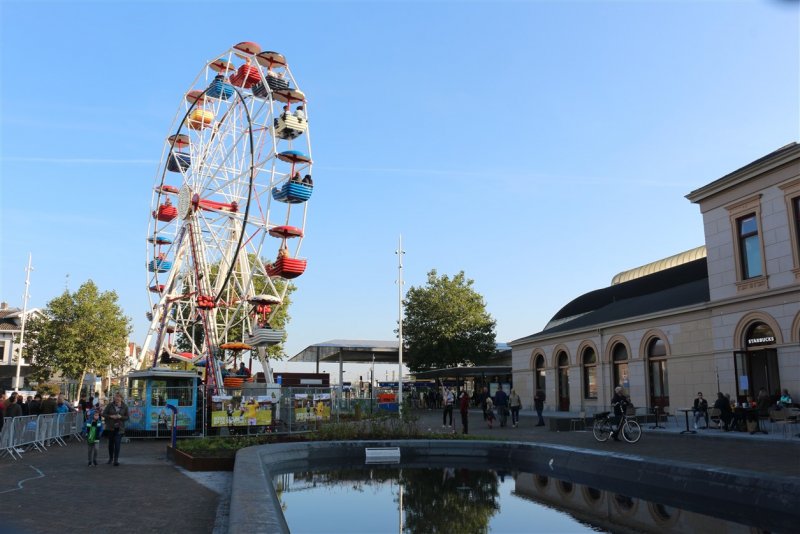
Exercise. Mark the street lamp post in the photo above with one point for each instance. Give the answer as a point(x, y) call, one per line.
point(400, 253)
point(24, 316)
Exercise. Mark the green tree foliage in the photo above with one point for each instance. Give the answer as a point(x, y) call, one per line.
point(77, 333)
point(449, 500)
point(446, 324)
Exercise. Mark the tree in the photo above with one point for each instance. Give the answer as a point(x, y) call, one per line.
point(446, 324)
point(77, 333)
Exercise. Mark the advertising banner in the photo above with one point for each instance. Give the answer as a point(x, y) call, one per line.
point(244, 410)
point(316, 407)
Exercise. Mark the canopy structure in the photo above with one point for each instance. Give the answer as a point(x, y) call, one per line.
point(350, 351)
point(465, 372)
point(367, 351)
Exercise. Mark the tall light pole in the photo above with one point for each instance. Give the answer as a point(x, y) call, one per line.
point(28, 270)
point(400, 253)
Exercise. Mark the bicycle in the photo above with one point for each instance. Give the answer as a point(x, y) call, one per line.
point(628, 428)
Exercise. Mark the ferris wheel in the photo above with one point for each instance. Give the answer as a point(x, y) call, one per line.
point(228, 210)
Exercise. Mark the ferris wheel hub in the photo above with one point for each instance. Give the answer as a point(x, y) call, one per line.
point(185, 204)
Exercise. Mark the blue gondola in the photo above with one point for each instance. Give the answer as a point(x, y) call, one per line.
point(178, 161)
point(159, 265)
point(219, 88)
point(292, 192)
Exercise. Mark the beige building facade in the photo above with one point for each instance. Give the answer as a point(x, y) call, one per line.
point(722, 317)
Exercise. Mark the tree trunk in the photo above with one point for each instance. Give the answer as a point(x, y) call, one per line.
point(80, 383)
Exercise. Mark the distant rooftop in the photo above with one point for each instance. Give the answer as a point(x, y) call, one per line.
point(660, 265)
point(357, 351)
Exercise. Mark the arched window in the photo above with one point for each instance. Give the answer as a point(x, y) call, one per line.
point(563, 381)
point(539, 366)
point(589, 374)
point(619, 356)
point(659, 384)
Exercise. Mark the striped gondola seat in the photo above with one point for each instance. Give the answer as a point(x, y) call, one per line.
point(263, 337)
point(219, 88)
point(286, 267)
point(292, 192)
point(288, 126)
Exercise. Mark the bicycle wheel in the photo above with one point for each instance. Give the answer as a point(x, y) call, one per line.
point(631, 431)
point(601, 430)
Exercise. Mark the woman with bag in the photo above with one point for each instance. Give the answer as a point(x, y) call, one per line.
point(115, 415)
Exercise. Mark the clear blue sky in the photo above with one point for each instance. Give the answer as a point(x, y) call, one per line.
point(542, 147)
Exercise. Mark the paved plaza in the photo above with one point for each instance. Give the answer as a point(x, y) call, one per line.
point(55, 491)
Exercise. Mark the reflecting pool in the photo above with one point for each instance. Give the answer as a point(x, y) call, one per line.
point(387, 499)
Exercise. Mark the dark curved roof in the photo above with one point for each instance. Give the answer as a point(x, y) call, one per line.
point(676, 287)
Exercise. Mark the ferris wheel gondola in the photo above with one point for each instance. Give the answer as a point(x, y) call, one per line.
point(218, 213)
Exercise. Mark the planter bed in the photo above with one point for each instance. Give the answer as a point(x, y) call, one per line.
point(201, 463)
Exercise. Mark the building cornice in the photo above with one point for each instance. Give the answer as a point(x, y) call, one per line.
point(779, 158)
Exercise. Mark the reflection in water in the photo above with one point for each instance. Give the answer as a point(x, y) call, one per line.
point(461, 500)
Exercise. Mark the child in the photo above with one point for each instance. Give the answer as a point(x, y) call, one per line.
point(94, 428)
point(489, 411)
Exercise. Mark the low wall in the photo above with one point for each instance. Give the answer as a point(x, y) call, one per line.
point(736, 495)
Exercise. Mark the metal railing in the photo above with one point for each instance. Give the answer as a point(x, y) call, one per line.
point(38, 432)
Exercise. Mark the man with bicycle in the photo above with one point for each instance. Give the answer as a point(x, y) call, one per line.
point(620, 404)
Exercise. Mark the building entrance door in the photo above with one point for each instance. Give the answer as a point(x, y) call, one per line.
point(756, 369)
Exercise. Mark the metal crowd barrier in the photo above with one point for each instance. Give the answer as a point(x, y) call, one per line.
point(38, 432)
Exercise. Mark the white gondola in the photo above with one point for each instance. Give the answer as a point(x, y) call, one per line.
point(264, 337)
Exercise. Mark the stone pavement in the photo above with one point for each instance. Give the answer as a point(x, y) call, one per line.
point(55, 491)
point(771, 453)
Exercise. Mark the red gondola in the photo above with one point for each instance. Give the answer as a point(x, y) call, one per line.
point(166, 212)
point(286, 267)
point(157, 288)
point(247, 76)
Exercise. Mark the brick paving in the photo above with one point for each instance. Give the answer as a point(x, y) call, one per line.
point(55, 491)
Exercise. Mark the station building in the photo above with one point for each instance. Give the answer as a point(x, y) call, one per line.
point(724, 316)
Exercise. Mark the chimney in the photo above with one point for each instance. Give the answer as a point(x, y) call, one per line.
point(3, 305)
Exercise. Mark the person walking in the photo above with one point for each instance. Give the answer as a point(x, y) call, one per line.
point(725, 413)
point(463, 407)
point(94, 429)
point(484, 396)
point(489, 411)
point(538, 404)
point(515, 403)
point(501, 401)
point(115, 415)
point(448, 399)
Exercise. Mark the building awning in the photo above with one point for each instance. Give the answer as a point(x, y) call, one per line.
point(463, 372)
point(350, 351)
